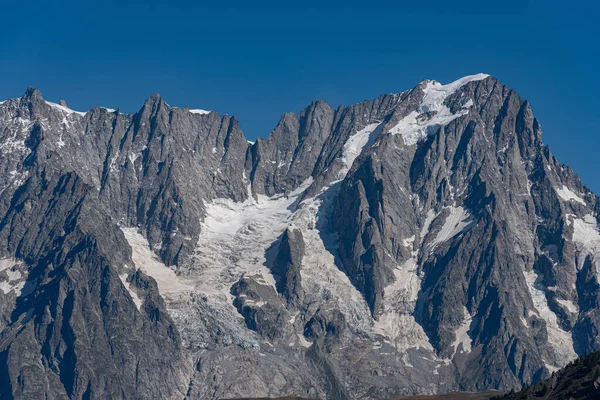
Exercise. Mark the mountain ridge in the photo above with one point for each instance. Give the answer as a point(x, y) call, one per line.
point(430, 231)
point(156, 96)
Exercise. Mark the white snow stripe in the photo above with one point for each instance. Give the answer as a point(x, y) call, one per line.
point(64, 109)
point(567, 194)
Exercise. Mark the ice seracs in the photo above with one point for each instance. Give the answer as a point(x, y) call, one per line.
point(397, 322)
point(232, 243)
point(321, 277)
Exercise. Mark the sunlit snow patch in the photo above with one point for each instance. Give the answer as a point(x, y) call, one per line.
point(168, 282)
point(457, 221)
point(397, 321)
point(462, 334)
point(14, 280)
point(569, 305)
point(19, 129)
point(201, 112)
point(233, 240)
point(567, 194)
point(64, 109)
point(355, 145)
point(560, 340)
point(432, 113)
point(587, 239)
point(136, 300)
point(232, 243)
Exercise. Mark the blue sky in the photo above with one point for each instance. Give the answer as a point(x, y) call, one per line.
point(257, 60)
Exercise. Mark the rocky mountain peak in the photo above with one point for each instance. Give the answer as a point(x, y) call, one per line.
point(154, 98)
point(31, 94)
point(395, 246)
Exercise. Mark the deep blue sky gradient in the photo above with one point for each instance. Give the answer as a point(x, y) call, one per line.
point(257, 60)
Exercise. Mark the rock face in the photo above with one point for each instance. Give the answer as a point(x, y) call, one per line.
point(287, 265)
point(418, 243)
point(579, 380)
point(74, 331)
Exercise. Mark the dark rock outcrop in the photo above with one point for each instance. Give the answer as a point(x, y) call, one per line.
point(287, 264)
point(580, 380)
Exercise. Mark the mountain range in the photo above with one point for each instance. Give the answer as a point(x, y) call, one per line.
point(422, 242)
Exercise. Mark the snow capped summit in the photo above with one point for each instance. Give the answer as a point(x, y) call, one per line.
point(432, 112)
point(436, 93)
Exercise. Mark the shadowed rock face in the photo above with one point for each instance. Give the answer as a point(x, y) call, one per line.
point(74, 330)
point(287, 266)
point(419, 243)
point(578, 380)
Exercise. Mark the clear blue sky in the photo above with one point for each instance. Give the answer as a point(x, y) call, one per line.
point(259, 59)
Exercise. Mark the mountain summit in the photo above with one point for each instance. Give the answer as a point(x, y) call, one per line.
point(418, 243)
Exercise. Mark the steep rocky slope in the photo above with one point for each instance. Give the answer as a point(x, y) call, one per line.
point(579, 380)
point(421, 242)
